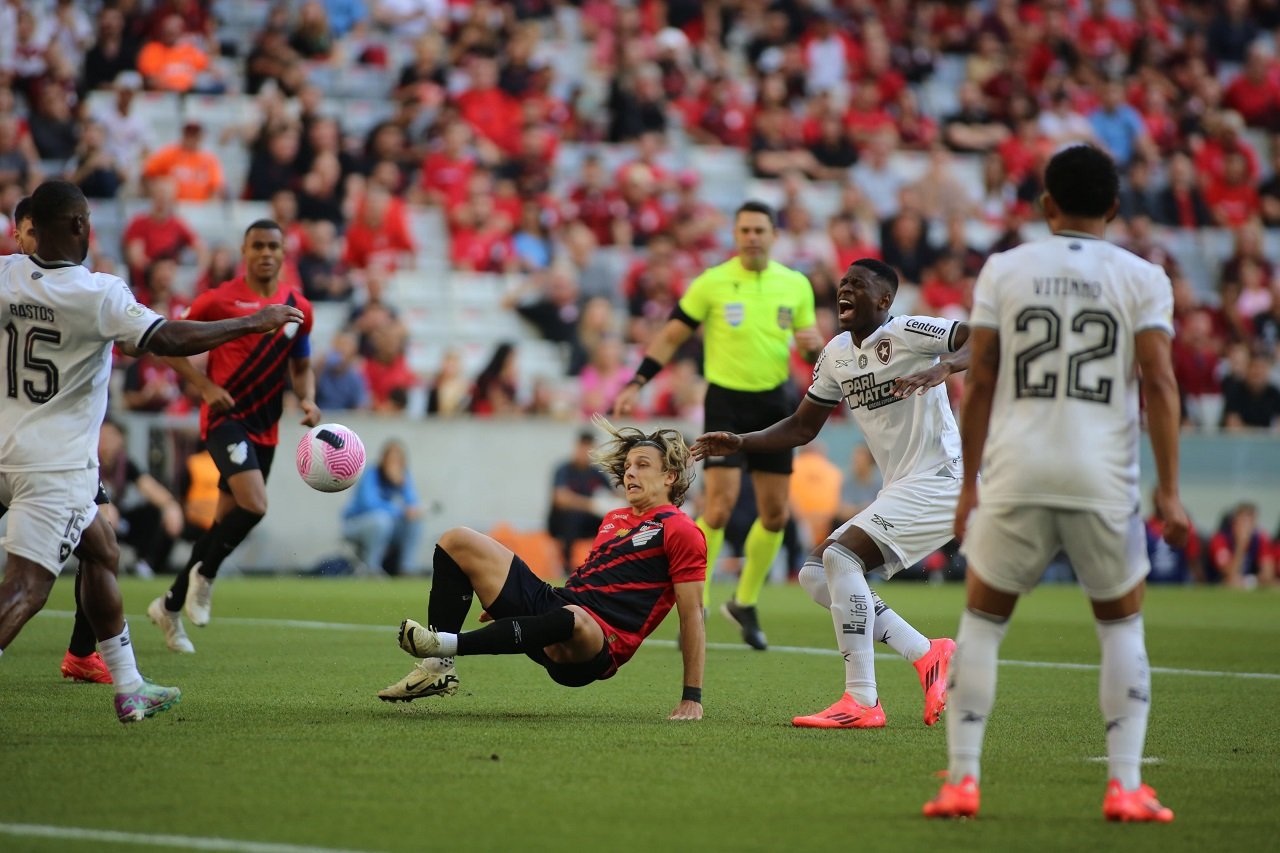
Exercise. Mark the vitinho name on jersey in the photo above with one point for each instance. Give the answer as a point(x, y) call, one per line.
point(27, 311)
point(864, 391)
point(1058, 285)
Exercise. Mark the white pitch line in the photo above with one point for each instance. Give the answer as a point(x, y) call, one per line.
point(109, 836)
point(723, 647)
point(1146, 759)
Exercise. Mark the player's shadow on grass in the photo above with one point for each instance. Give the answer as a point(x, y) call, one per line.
point(497, 714)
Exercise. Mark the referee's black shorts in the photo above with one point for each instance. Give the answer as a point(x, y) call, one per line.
point(749, 411)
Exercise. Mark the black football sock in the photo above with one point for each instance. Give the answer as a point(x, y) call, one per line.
point(451, 594)
point(226, 537)
point(518, 635)
point(82, 642)
point(177, 594)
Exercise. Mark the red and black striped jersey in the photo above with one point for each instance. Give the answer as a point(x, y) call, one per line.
point(254, 368)
point(628, 580)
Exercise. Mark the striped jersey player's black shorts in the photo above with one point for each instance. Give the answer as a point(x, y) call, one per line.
point(526, 594)
point(749, 411)
point(234, 452)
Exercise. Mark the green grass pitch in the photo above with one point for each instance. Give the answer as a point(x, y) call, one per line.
point(279, 739)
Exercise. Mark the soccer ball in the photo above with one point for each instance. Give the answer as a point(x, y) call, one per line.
point(330, 458)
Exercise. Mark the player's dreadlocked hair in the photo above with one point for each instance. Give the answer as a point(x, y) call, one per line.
point(612, 456)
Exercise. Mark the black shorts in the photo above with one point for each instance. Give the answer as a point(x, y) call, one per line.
point(234, 452)
point(749, 411)
point(526, 594)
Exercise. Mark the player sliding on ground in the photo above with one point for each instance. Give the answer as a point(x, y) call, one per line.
point(888, 372)
point(1061, 328)
point(646, 557)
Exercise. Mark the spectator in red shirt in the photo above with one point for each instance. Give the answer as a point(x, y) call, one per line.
point(721, 116)
point(1101, 35)
point(595, 203)
point(493, 113)
point(1181, 203)
point(158, 233)
point(386, 369)
point(645, 215)
point(1233, 200)
point(1224, 131)
point(946, 288)
point(1240, 554)
point(446, 170)
point(1197, 357)
point(481, 239)
point(1255, 93)
point(379, 233)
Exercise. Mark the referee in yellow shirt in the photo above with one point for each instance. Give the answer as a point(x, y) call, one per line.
point(751, 307)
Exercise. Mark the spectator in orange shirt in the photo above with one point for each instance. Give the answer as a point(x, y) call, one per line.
point(196, 173)
point(170, 63)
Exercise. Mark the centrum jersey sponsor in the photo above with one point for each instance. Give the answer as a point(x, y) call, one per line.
point(864, 391)
point(924, 327)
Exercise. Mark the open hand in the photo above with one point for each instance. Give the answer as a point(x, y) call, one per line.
point(715, 444)
point(272, 317)
point(905, 386)
point(687, 710)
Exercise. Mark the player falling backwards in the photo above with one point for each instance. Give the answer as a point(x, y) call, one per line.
point(1061, 328)
point(888, 372)
point(647, 557)
point(243, 398)
point(61, 321)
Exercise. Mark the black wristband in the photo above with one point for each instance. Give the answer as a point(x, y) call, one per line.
point(648, 369)
point(692, 694)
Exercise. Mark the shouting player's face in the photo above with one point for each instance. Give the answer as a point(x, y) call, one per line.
point(263, 253)
point(646, 483)
point(862, 303)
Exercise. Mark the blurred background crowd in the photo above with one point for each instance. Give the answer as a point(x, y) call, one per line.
point(496, 204)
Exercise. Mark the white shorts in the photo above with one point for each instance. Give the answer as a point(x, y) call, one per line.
point(1008, 548)
point(909, 519)
point(48, 510)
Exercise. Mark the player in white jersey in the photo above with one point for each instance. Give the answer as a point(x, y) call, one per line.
point(59, 321)
point(888, 372)
point(1062, 327)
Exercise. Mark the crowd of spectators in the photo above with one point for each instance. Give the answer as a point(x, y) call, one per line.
point(553, 140)
point(817, 99)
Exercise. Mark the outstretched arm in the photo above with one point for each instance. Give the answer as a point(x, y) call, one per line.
point(188, 337)
point(660, 351)
point(693, 645)
point(800, 427)
point(952, 362)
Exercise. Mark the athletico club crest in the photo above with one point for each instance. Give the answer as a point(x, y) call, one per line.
point(884, 350)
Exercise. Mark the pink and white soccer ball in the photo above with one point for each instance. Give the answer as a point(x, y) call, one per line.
point(330, 458)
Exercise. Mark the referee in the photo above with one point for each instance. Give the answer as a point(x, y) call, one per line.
point(752, 307)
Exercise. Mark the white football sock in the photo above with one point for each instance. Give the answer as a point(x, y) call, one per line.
point(854, 619)
point(117, 654)
point(814, 580)
point(448, 645)
point(971, 691)
point(1124, 694)
point(897, 633)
